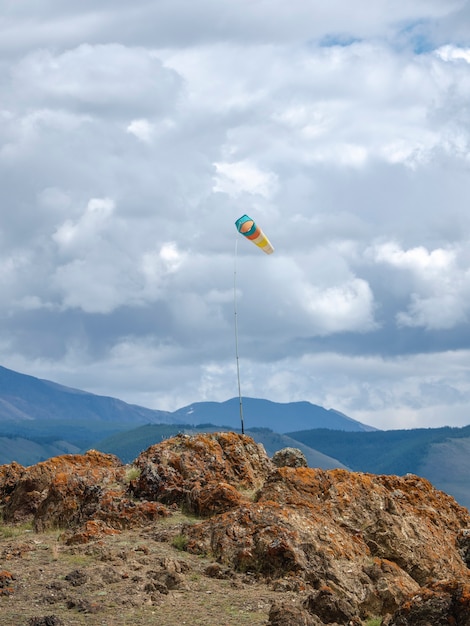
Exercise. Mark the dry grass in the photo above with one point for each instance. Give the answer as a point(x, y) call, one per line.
point(116, 571)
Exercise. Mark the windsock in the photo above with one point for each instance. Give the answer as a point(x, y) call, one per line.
point(247, 227)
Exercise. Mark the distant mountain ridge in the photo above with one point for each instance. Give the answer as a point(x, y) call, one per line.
point(277, 416)
point(40, 418)
point(24, 397)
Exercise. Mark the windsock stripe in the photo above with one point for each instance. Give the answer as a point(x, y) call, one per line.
point(254, 235)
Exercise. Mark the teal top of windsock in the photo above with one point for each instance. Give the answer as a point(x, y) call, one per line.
point(243, 220)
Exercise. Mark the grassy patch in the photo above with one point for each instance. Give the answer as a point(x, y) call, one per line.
point(15, 530)
point(180, 542)
point(132, 473)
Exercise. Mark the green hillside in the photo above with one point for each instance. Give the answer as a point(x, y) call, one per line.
point(380, 452)
point(28, 452)
point(447, 466)
point(128, 445)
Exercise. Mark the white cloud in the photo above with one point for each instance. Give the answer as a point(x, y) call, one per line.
point(444, 310)
point(453, 53)
point(438, 285)
point(86, 232)
point(111, 78)
point(142, 129)
point(418, 260)
point(346, 307)
point(88, 286)
point(243, 176)
point(183, 24)
point(157, 265)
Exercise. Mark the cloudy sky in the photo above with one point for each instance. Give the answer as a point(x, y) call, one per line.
point(133, 135)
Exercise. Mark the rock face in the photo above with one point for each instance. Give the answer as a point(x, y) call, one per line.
point(353, 545)
point(73, 491)
point(206, 474)
point(442, 604)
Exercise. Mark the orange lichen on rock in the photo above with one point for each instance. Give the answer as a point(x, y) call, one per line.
point(358, 544)
point(6, 583)
point(23, 489)
point(444, 602)
point(169, 471)
point(91, 530)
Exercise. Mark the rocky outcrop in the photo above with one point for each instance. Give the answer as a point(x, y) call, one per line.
point(72, 491)
point(441, 604)
point(206, 474)
point(289, 457)
point(24, 489)
point(352, 545)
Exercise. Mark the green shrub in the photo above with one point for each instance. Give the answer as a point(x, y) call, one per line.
point(180, 542)
point(132, 474)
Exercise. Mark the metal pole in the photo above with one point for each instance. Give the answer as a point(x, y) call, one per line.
point(236, 335)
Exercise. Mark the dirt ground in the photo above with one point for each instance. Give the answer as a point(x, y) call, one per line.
point(133, 578)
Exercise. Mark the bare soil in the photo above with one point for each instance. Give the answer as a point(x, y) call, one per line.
point(132, 578)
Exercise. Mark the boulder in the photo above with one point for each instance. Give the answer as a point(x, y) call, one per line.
point(288, 614)
point(441, 604)
point(205, 473)
point(289, 457)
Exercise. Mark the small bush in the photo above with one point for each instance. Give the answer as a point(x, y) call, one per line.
point(132, 474)
point(180, 542)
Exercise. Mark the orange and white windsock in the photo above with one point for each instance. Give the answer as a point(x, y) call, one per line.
point(247, 227)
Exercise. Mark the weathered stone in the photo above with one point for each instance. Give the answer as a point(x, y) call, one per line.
point(7, 580)
point(330, 607)
point(75, 476)
point(89, 531)
point(257, 538)
point(76, 578)
point(215, 497)
point(442, 604)
point(336, 529)
point(402, 520)
point(286, 614)
point(289, 457)
point(72, 490)
point(178, 467)
point(463, 545)
point(215, 570)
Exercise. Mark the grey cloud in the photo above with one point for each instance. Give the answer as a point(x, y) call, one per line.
point(166, 23)
point(126, 154)
point(97, 79)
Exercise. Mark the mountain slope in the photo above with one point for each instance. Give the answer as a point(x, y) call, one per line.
point(447, 466)
point(24, 398)
point(259, 413)
point(29, 452)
